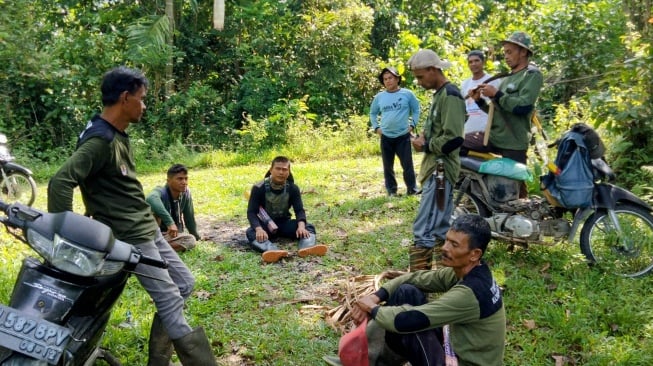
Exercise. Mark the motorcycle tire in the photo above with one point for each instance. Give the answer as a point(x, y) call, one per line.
point(628, 251)
point(18, 187)
point(467, 203)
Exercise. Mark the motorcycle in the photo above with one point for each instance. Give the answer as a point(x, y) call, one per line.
point(616, 230)
point(16, 182)
point(60, 306)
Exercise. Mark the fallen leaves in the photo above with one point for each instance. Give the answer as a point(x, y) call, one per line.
point(529, 324)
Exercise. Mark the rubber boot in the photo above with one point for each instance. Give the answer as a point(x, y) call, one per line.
point(420, 258)
point(308, 247)
point(194, 349)
point(160, 345)
point(271, 253)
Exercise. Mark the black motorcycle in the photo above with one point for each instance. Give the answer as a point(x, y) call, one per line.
point(60, 306)
point(16, 182)
point(616, 229)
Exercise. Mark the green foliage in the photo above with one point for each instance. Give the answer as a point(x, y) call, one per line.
point(147, 42)
point(623, 106)
point(563, 31)
point(195, 117)
point(326, 54)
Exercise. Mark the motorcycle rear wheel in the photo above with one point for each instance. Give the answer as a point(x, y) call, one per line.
point(18, 187)
point(465, 203)
point(628, 251)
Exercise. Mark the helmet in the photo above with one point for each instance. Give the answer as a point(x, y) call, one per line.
point(391, 70)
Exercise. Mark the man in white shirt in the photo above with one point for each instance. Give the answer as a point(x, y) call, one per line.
point(476, 117)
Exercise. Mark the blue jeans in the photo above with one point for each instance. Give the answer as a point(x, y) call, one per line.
point(169, 287)
point(287, 229)
point(432, 223)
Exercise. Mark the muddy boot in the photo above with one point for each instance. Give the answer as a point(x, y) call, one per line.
point(420, 258)
point(194, 349)
point(160, 345)
point(271, 253)
point(308, 247)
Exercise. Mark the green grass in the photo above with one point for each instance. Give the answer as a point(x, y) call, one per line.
point(255, 313)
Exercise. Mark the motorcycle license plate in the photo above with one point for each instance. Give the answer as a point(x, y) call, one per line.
point(32, 336)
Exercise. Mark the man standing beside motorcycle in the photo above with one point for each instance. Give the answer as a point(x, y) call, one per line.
point(514, 100)
point(440, 142)
point(103, 168)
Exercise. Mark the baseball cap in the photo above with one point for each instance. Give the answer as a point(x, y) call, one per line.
point(427, 58)
point(521, 39)
point(391, 70)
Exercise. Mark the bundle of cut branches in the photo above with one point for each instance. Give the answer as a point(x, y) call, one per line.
point(350, 291)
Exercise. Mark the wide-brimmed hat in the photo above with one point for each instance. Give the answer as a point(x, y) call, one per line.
point(522, 40)
point(391, 70)
point(426, 58)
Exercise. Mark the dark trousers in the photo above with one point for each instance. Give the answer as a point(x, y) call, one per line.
point(400, 146)
point(422, 348)
point(287, 229)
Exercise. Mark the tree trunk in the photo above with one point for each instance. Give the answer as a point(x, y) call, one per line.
point(169, 78)
point(218, 14)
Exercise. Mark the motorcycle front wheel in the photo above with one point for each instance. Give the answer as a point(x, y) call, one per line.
point(18, 187)
point(622, 244)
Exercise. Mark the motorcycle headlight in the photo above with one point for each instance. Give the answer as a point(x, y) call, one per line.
point(72, 258)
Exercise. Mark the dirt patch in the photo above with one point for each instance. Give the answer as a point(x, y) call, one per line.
point(228, 233)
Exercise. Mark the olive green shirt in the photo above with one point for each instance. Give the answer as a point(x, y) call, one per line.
point(514, 106)
point(444, 125)
point(103, 168)
point(472, 307)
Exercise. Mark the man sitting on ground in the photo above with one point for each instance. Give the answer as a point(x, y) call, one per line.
point(268, 212)
point(172, 206)
point(467, 319)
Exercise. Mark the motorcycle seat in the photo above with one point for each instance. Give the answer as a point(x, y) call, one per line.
point(471, 163)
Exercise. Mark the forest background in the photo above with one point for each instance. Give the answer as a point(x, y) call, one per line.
point(282, 71)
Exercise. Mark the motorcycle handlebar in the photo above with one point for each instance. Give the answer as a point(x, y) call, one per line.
point(154, 262)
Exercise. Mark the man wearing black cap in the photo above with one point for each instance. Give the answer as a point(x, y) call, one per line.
point(399, 112)
point(514, 100)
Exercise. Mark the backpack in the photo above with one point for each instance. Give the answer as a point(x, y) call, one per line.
point(573, 185)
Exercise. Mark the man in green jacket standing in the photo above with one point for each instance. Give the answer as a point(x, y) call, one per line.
point(514, 99)
point(440, 142)
point(172, 206)
point(467, 321)
point(103, 168)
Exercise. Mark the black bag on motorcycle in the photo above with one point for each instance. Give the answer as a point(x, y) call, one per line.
point(572, 185)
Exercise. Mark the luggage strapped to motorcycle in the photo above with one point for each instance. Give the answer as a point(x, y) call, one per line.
point(571, 185)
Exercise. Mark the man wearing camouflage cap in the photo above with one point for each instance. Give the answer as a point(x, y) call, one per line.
point(440, 142)
point(514, 99)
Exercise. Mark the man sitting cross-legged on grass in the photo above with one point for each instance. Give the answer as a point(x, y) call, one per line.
point(467, 320)
point(173, 210)
point(268, 212)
